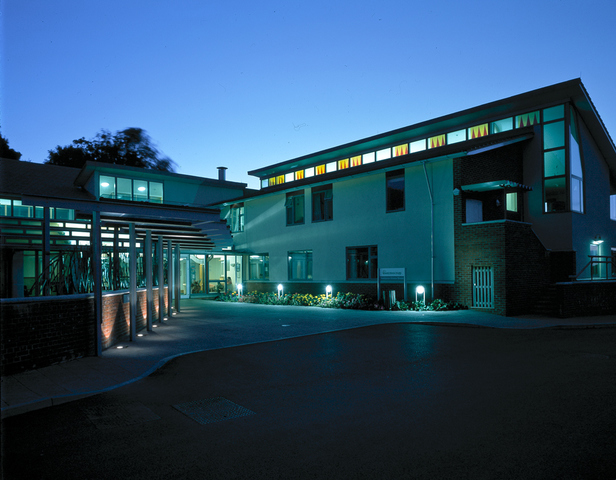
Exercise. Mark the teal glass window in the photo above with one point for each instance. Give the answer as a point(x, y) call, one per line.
point(554, 194)
point(5, 207)
point(300, 265)
point(457, 136)
point(503, 125)
point(554, 163)
point(554, 113)
point(156, 192)
point(418, 145)
point(124, 189)
point(554, 135)
point(512, 201)
point(107, 186)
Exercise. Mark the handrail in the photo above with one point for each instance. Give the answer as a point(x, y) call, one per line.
point(602, 259)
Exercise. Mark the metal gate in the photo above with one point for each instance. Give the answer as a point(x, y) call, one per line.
point(483, 287)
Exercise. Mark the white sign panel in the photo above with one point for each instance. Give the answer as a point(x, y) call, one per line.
point(392, 272)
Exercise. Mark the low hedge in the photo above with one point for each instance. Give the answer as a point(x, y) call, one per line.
point(354, 301)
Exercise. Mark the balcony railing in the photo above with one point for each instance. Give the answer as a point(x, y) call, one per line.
point(595, 263)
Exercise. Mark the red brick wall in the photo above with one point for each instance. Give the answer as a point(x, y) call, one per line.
point(116, 315)
point(47, 330)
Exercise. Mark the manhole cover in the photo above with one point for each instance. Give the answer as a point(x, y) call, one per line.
point(212, 410)
point(118, 415)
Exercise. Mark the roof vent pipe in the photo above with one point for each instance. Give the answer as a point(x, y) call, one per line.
point(222, 174)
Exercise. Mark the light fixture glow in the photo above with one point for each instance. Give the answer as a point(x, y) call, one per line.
point(141, 189)
point(420, 290)
point(105, 184)
point(240, 287)
point(328, 291)
point(597, 240)
point(279, 290)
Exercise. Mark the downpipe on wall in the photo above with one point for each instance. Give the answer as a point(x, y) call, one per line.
point(431, 232)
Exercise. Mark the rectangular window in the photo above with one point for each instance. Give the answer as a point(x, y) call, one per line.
point(437, 141)
point(362, 262)
point(300, 265)
point(503, 125)
point(259, 267)
point(554, 113)
point(512, 201)
point(478, 131)
point(279, 179)
point(418, 145)
point(264, 183)
point(527, 119)
point(356, 161)
point(368, 157)
point(124, 189)
point(613, 207)
point(5, 208)
point(554, 163)
point(156, 192)
point(320, 170)
point(299, 175)
point(554, 135)
point(289, 177)
point(20, 210)
point(342, 164)
point(401, 150)
point(383, 154)
point(331, 167)
point(554, 196)
point(455, 137)
point(322, 204)
point(236, 214)
point(309, 172)
point(295, 208)
point(107, 186)
point(474, 210)
point(140, 190)
point(395, 190)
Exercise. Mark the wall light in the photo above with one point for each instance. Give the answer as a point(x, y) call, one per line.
point(597, 240)
point(105, 184)
point(420, 290)
point(240, 287)
point(141, 189)
point(279, 290)
point(328, 291)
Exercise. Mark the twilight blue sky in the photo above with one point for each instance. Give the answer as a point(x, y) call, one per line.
point(246, 84)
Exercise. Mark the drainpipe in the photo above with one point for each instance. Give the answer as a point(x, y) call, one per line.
point(431, 232)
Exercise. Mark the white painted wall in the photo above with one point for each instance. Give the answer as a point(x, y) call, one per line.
point(360, 219)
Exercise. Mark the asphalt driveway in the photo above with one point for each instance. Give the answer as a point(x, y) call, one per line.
point(385, 401)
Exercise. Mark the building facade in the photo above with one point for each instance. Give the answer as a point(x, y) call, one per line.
point(490, 207)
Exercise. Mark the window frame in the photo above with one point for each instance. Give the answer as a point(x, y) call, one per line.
point(292, 206)
point(391, 177)
point(298, 256)
point(371, 254)
point(322, 197)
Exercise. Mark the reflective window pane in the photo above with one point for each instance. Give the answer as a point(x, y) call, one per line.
point(554, 135)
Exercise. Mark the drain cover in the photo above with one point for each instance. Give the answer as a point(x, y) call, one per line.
point(212, 410)
point(118, 415)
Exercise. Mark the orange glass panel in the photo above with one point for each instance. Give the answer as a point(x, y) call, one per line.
point(320, 170)
point(437, 141)
point(299, 175)
point(401, 150)
point(356, 161)
point(342, 164)
point(527, 119)
point(478, 131)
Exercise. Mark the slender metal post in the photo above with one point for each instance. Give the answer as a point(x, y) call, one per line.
point(132, 282)
point(148, 278)
point(46, 252)
point(97, 277)
point(177, 279)
point(169, 277)
point(161, 280)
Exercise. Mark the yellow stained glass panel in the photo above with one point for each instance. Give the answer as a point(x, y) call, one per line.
point(401, 150)
point(527, 119)
point(299, 175)
point(436, 141)
point(356, 161)
point(478, 131)
point(320, 170)
point(279, 179)
point(342, 164)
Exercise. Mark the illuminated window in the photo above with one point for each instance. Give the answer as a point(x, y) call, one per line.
point(575, 164)
point(342, 164)
point(295, 207)
point(289, 177)
point(140, 190)
point(322, 203)
point(455, 137)
point(383, 154)
point(478, 131)
point(299, 175)
point(259, 267)
point(356, 161)
point(156, 192)
point(279, 179)
point(613, 207)
point(503, 125)
point(368, 157)
point(331, 167)
point(527, 119)
point(401, 150)
point(5, 208)
point(264, 183)
point(512, 201)
point(418, 145)
point(124, 189)
point(272, 181)
point(107, 187)
point(310, 172)
point(436, 141)
point(320, 169)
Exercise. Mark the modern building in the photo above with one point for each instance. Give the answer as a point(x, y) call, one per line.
point(508, 207)
point(491, 207)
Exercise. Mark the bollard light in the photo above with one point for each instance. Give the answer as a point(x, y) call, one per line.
point(240, 287)
point(420, 290)
point(280, 290)
point(328, 291)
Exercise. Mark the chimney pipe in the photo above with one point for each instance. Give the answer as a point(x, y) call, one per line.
point(222, 174)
